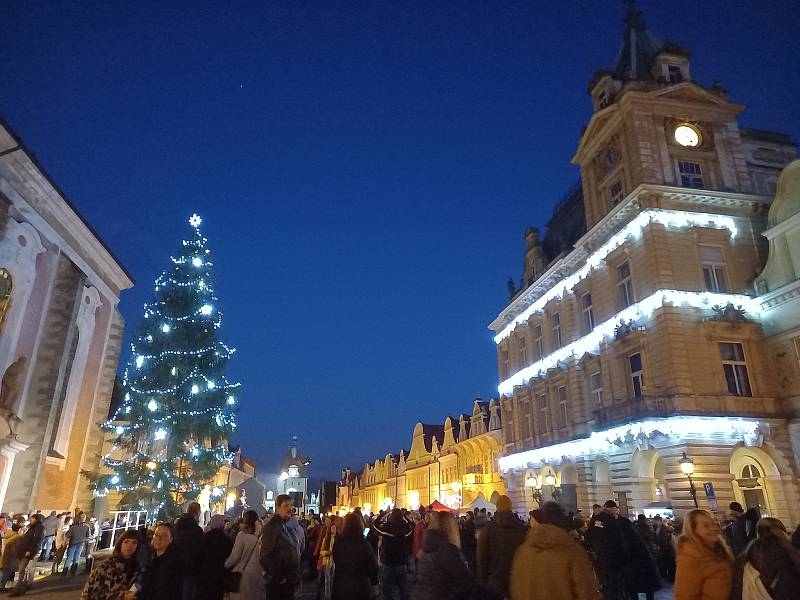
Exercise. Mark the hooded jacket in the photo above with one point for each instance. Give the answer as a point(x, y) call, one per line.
point(550, 564)
point(496, 546)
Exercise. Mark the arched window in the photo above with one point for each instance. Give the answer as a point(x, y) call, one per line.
point(6, 287)
point(752, 487)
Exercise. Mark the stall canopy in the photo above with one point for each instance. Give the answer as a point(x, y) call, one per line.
point(480, 502)
point(439, 507)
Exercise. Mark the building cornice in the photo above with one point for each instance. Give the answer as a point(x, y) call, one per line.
point(784, 294)
point(615, 222)
point(783, 227)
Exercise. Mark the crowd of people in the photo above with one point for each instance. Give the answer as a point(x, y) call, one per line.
point(419, 555)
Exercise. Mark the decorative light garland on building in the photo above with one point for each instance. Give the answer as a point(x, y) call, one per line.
point(668, 218)
point(599, 442)
point(642, 309)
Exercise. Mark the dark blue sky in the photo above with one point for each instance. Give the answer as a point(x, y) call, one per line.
point(365, 171)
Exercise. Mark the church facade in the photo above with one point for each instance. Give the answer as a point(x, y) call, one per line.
point(648, 357)
point(60, 337)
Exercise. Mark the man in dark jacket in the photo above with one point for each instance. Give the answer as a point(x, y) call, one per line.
point(163, 579)
point(497, 544)
point(27, 549)
point(736, 531)
point(189, 543)
point(279, 555)
point(395, 532)
point(605, 539)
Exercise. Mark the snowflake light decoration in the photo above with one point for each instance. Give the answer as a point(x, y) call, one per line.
point(195, 220)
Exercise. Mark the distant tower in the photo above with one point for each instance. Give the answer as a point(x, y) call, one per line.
point(293, 478)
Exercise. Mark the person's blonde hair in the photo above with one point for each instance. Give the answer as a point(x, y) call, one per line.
point(719, 549)
point(447, 524)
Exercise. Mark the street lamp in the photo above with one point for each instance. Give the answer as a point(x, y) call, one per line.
point(687, 467)
point(536, 490)
point(550, 479)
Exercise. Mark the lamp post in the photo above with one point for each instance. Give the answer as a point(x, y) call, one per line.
point(536, 492)
point(687, 467)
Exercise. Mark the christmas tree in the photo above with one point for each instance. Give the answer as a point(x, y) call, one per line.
point(172, 429)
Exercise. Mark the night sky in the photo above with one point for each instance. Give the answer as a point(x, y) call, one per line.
point(366, 172)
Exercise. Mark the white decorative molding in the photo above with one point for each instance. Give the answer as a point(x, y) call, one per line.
point(9, 448)
point(19, 248)
point(85, 320)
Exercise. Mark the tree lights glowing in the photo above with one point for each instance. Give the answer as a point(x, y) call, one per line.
point(171, 432)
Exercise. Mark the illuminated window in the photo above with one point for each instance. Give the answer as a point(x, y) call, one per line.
point(712, 262)
point(6, 287)
point(556, 320)
point(734, 366)
point(637, 374)
point(588, 314)
point(596, 383)
point(691, 174)
point(625, 285)
point(616, 193)
point(294, 471)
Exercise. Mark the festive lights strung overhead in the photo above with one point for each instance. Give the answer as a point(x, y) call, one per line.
point(668, 218)
point(635, 312)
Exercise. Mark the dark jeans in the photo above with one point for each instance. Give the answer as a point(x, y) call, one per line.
point(280, 591)
point(394, 577)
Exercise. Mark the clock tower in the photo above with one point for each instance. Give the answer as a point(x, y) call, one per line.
point(653, 124)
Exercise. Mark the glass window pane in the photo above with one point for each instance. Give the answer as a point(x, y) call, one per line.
point(636, 363)
point(711, 254)
point(587, 300)
point(624, 271)
point(726, 351)
point(722, 285)
point(743, 380)
point(730, 379)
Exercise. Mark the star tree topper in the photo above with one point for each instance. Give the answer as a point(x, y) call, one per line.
point(195, 220)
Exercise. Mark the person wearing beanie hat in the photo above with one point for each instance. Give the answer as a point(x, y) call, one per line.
point(497, 544)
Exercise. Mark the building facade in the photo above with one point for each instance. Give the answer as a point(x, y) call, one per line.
point(60, 338)
point(454, 463)
point(637, 339)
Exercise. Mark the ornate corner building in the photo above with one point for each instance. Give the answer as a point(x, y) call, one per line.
point(648, 328)
point(60, 338)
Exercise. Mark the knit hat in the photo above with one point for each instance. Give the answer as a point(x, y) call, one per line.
point(503, 504)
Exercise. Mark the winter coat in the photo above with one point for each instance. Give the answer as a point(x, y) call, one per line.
point(355, 569)
point(736, 535)
point(778, 568)
point(550, 564)
point(9, 560)
point(50, 524)
point(394, 550)
point(109, 580)
point(244, 559)
point(77, 534)
point(469, 544)
point(641, 572)
point(701, 574)
point(216, 548)
point(163, 579)
point(496, 546)
point(279, 554)
point(605, 539)
point(189, 544)
point(31, 542)
point(442, 573)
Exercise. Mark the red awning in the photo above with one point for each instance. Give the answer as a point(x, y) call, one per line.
point(439, 507)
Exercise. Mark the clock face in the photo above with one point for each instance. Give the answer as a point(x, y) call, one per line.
point(686, 135)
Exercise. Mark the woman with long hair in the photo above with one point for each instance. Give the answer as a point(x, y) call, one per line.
point(442, 573)
point(769, 566)
point(704, 570)
point(244, 559)
point(324, 554)
point(355, 566)
point(112, 578)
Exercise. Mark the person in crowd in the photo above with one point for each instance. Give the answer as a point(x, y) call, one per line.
point(419, 531)
point(355, 568)
point(751, 516)
point(324, 553)
point(441, 571)
point(641, 572)
point(313, 533)
point(279, 555)
point(295, 528)
point(9, 560)
point(50, 525)
point(496, 546)
point(189, 543)
point(704, 560)
point(244, 559)
point(550, 564)
point(469, 543)
point(666, 549)
point(605, 539)
point(216, 548)
point(236, 526)
point(114, 577)
point(28, 549)
point(163, 579)
point(394, 531)
point(75, 539)
point(61, 541)
point(769, 567)
point(91, 543)
point(736, 530)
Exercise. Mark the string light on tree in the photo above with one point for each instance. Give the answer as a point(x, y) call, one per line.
point(172, 436)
